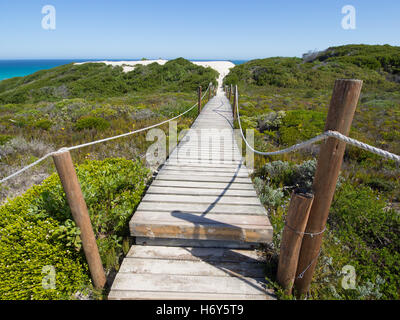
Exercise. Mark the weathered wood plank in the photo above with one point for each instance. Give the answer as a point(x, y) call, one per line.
point(163, 176)
point(200, 191)
point(168, 171)
point(189, 284)
point(196, 218)
point(202, 208)
point(150, 295)
point(192, 268)
point(195, 254)
point(220, 199)
point(205, 169)
point(186, 230)
point(200, 184)
point(198, 243)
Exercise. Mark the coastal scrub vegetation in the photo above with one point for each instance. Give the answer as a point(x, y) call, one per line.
point(286, 100)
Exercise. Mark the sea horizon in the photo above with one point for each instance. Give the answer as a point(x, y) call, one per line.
point(11, 68)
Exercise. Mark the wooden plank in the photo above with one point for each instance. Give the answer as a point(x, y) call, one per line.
point(198, 243)
point(150, 295)
point(194, 178)
point(192, 268)
point(174, 162)
point(189, 284)
point(220, 199)
point(200, 184)
point(186, 230)
point(195, 254)
point(236, 221)
point(202, 208)
point(200, 191)
point(205, 169)
point(168, 171)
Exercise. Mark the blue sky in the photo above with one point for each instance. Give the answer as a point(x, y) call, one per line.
point(206, 29)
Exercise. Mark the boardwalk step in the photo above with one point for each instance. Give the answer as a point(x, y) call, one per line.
point(150, 272)
point(200, 191)
point(203, 208)
point(200, 243)
point(181, 225)
point(211, 178)
point(222, 198)
point(202, 184)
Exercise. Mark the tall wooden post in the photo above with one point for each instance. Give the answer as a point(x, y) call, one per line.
point(296, 221)
point(70, 183)
point(235, 102)
point(230, 93)
point(199, 99)
point(210, 88)
point(340, 116)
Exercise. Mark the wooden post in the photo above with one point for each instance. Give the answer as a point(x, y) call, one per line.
point(235, 102)
point(199, 99)
point(70, 183)
point(230, 93)
point(296, 221)
point(209, 91)
point(340, 116)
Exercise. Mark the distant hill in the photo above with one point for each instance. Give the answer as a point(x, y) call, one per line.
point(377, 65)
point(94, 80)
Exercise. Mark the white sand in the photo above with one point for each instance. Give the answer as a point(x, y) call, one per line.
point(223, 67)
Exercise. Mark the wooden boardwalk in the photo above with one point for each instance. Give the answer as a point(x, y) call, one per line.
point(199, 221)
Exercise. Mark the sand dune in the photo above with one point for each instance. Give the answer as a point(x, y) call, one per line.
point(223, 67)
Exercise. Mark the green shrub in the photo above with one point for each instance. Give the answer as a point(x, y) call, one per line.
point(380, 184)
point(269, 196)
point(4, 138)
point(270, 121)
point(372, 232)
point(44, 124)
point(301, 125)
point(280, 173)
point(36, 229)
point(92, 123)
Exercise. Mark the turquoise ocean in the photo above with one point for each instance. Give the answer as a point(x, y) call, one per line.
point(20, 68)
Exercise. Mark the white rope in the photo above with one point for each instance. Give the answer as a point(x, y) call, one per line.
point(26, 168)
point(323, 136)
point(99, 141)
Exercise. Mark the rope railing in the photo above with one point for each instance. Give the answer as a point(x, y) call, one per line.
point(99, 141)
point(321, 137)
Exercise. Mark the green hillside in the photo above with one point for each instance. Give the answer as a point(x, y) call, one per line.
point(286, 101)
point(378, 66)
point(95, 80)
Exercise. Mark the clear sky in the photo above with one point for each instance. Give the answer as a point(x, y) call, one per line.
point(206, 29)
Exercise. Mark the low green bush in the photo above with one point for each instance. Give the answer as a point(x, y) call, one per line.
point(92, 123)
point(44, 124)
point(4, 138)
point(365, 226)
point(37, 230)
point(301, 125)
